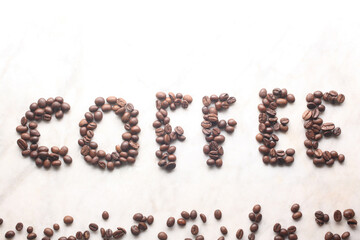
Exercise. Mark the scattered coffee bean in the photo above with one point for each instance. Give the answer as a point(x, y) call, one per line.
point(295, 207)
point(48, 232)
point(29, 229)
point(194, 230)
point(239, 234)
point(352, 222)
point(127, 151)
point(193, 214)
point(337, 216)
point(268, 124)
point(165, 134)
point(105, 215)
point(170, 222)
point(56, 227)
point(349, 213)
point(181, 222)
point(185, 215)
point(297, 215)
point(93, 227)
point(19, 226)
point(203, 217)
point(68, 220)
point(41, 110)
point(217, 214)
point(316, 128)
point(135, 230)
point(256, 208)
point(223, 230)
point(9, 234)
point(213, 126)
point(345, 235)
point(162, 236)
point(150, 219)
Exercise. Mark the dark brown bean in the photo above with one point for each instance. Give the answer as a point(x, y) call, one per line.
point(68, 220)
point(217, 214)
point(162, 236)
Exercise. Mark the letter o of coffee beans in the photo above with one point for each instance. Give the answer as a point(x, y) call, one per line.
point(316, 129)
point(28, 142)
point(126, 152)
point(269, 123)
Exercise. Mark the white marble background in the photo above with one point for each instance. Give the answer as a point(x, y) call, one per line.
point(83, 49)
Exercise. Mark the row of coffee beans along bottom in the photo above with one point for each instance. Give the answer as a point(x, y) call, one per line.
point(142, 223)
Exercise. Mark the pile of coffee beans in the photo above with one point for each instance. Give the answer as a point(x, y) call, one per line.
point(255, 217)
point(283, 233)
point(165, 134)
point(142, 223)
point(268, 124)
point(213, 126)
point(321, 218)
point(126, 152)
point(331, 236)
point(316, 128)
point(28, 143)
point(295, 210)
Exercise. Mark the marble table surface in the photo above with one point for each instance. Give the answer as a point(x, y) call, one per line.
point(81, 50)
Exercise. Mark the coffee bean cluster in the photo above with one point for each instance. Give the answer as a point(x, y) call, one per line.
point(349, 215)
point(269, 123)
point(142, 223)
point(255, 217)
point(126, 152)
point(321, 218)
point(28, 142)
point(284, 233)
point(165, 134)
point(316, 128)
point(295, 210)
point(213, 126)
point(331, 236)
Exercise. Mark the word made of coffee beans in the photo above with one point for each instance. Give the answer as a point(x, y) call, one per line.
point(316, 128)
point(28, 142)
point(213, 126)
point(165, 134)
point(269, 123)
point(126, 152)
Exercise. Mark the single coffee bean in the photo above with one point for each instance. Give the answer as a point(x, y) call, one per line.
point(329, 236)
point(68, 220)
point(297, 215)
point(337, 216)
point(217, 214)
point(185, 214)
point(277, 227)
point(239, 234)
point(29, 229)
point(56, 227)
point(48, 232)
point(150, 219)
point(203, 217)
point(199, 237)
point(9, 234)
point(256, 208)
point(295, 207)
point(251, 236)
point(352, 222)
point(170, 222)
point(194, 230)
point(223, 230)
point(291, 229)
point(181, 222)
point(19, 226)
point(319, 215)
point(349, 213)
point(105, 215)
point(135, 230)
point(93, 227)
point(254, 227)
point(345, 235)
point(193, 214)
point(162, 236)
point(336, 237)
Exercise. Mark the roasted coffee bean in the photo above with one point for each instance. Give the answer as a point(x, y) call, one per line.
point(105, 215)
point(297, 215)
point(203, 217)
point(352, 222)
point(193, 214)
point(199, 237)
point(217, 214)
point(252, 216)
point(194, 230)
point(239, 234)
point(295, 207)
point(181, 222)
point(29, 229)
point(68, 220)
point(277, 227)
point(93, 227)
point(19, 226)
point(9, 234)
point(150, 219)
point(251, 236)
point(337, 216)
point(56, 227)
point(48, 232)
point(254, 227)
point(223, 230)
point(162, 236)
point(142, 226)
point(349, 213)
point(319, 215)
point(345, 235)
point(170, 222)
point(256, 208)
point(135, 230)
point(185, 214)
point(292, 236)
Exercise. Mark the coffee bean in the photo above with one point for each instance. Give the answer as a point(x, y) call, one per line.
point(31, 236)
point(254, 227)
point(352, 222)
point(199, 237)
point(291, 229)
point(135, 230)
point(239, 234)
point(295, 207)
point(256, 208)
point(319, 215)
point(194, 230)
point(337, 216)
point(150, 219)
point(217, 214)
point(349, 213)
point(170, 222)
point(193, 214)
point(292, 236)
point(251, 236)
point(48, 232)
point(252, 216)
point(185, 214)
point(162, 236)
point(181, 222)
point(345, 235)
point(68, 220)
point(203, 217)
point(56, 227)
point(93, 227)
point(105, 215)
point(336, 237)
point(297, 215)
point(19, 226)
point(9, 234)
point(277, 227)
